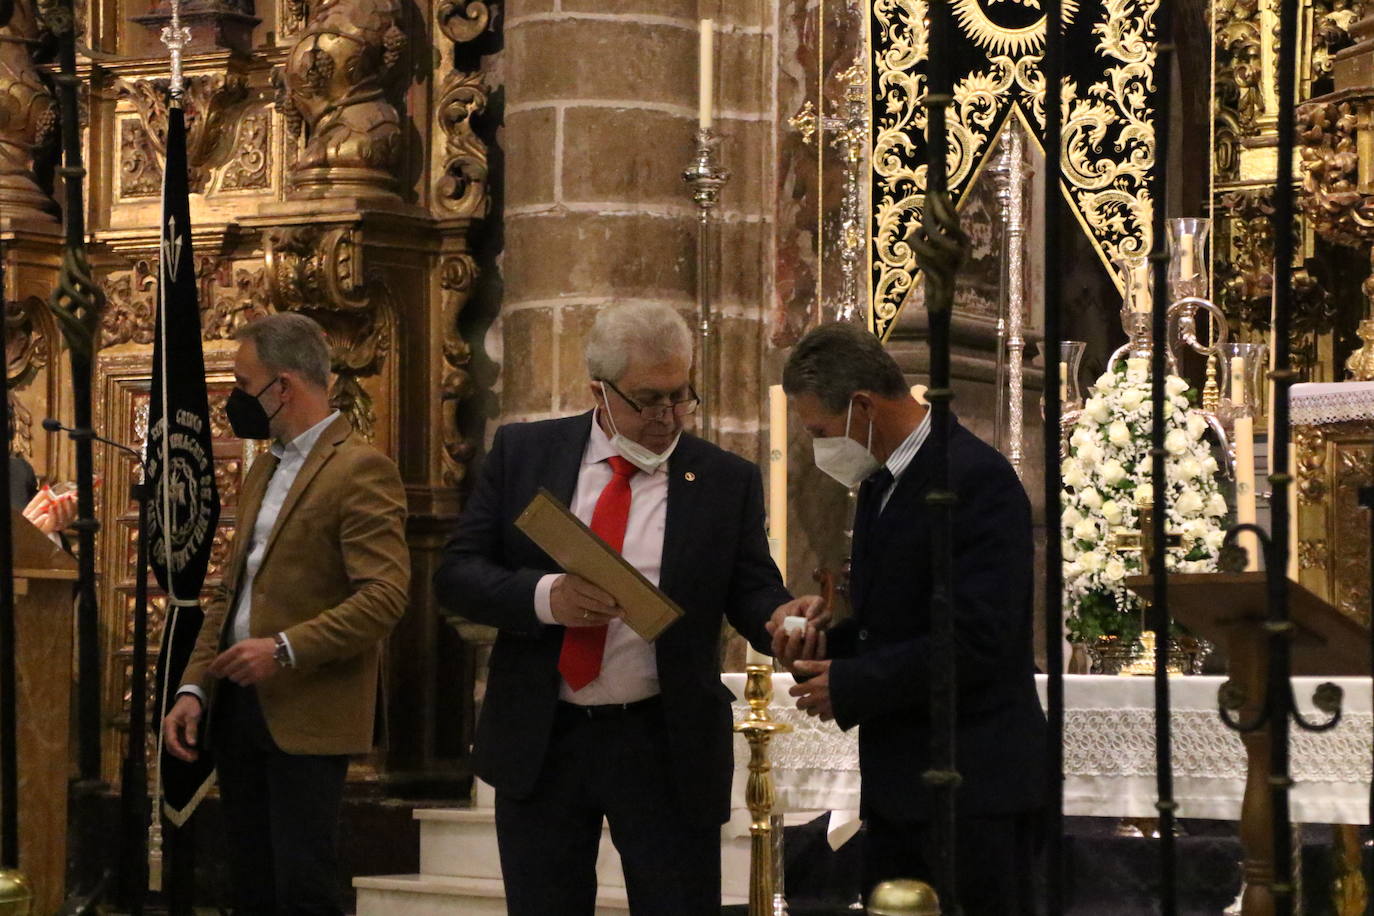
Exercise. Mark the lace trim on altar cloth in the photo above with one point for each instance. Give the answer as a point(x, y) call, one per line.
point(1116, 743)
point(1121, 742)
point(1336, 402)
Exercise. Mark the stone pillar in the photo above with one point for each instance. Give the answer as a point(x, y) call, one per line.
point(596, 210)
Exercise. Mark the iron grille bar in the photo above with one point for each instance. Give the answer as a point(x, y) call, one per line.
point(1159, 612)
point(1278, 698)
point(1054, 570)
point(940, 250)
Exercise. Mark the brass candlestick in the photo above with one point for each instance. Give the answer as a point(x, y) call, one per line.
point(706, 177)
point(758, 729)
point(1142, 541)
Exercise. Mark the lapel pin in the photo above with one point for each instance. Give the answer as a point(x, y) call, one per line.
point(689, 476)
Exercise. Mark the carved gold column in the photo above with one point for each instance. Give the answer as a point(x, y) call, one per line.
point(30, 235)
point(1338, 167)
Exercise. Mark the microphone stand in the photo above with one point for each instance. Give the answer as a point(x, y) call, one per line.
point(134, 803)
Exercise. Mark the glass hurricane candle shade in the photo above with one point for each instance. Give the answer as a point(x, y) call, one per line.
point(1244, 395)
point(1070, 363)
point(1188, 258)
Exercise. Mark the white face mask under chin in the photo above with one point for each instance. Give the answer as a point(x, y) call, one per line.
point(844, 459)
point(643, 458)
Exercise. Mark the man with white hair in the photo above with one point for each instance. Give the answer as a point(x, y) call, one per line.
point(582, 718)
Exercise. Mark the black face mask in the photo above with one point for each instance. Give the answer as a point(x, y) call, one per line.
point(247, 417)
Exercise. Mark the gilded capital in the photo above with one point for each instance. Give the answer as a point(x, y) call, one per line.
point(28, 117)
point(340, 82)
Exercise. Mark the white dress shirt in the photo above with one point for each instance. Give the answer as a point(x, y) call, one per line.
point(902, 455)
point(629, 668)
point(290, 460)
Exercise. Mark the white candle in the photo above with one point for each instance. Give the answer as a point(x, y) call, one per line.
point(1238, 386)
point(1243, 437)
point(1063, 383)
point(1140, 287)
point(1185, 267)
point(1293, 512)
point(706, 74)
point(777, 476)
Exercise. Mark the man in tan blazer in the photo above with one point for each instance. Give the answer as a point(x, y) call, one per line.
point(284, 676)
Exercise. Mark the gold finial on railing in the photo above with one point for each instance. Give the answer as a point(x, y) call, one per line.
point(903, 898)
point(758, 729)
point(16, 897)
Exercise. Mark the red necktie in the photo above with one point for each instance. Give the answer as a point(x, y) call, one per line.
point(580, 660)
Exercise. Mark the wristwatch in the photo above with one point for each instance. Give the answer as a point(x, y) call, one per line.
point(282, 655)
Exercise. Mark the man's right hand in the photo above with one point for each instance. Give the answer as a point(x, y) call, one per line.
point(575, 602)
point(181, 727)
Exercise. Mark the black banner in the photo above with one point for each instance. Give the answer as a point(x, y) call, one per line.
point(183, 507)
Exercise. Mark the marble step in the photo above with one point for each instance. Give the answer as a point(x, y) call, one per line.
point(429, 895)
point(461, 843)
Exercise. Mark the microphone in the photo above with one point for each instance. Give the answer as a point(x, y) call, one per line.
point(55, 426)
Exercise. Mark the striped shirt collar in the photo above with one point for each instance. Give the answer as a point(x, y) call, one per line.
point(903, 454)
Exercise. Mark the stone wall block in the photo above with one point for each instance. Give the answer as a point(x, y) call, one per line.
point(529, 139)
point(676, 9)
point(603, 59)
point(738, 391)
point(626, 154)
point(528, 347)
point(556, 255)
point(575, 323)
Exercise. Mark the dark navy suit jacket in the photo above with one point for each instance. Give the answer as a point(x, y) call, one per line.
point(715, 564)
point(880, 680)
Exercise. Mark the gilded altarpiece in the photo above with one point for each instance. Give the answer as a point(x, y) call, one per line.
point(1334, 461)
point(1108, 133)
point(338, 168)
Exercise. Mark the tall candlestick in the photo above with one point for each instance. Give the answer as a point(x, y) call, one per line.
point(1243, 438)
point(1238, 393)
point(1185, 267)
point(706, 74)
point(777, 476)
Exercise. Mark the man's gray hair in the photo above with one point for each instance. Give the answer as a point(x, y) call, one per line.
point(290, 342)
point(836, 360)
point(650, 330)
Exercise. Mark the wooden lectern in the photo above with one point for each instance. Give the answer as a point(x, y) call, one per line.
point(43, 627)
point(1229, 609)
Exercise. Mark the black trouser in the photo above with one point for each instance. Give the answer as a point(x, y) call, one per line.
point(615, 765)
point(282, 814)
point(994, 865)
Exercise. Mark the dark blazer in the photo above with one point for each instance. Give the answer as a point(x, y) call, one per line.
point(880, 680)
point(23, 482)
point(715, 563)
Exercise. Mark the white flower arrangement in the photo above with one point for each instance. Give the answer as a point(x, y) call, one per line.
point(1106, 473)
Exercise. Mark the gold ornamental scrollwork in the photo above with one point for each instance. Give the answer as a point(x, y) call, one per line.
point(1108, 135)
point(463, 185)
point(457, 275)
point(463, 20)
point(319, 272)
point(210, 102)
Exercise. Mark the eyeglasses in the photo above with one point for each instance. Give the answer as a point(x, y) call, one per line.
point(682, 408)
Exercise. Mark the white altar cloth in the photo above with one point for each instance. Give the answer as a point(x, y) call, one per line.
point(1109, 752)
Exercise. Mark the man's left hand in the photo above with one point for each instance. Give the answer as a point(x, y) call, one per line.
point(246, 663)
point(813, 694)
point(805, 643)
